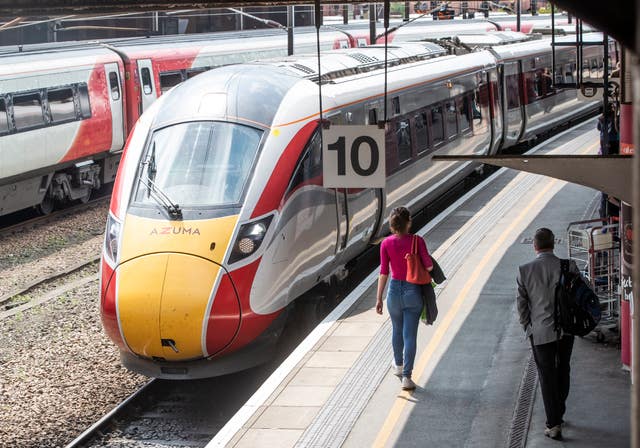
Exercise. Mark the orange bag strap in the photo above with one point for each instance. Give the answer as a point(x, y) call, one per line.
point(414, 245)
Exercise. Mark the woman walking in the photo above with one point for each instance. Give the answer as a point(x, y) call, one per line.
point(404, 299)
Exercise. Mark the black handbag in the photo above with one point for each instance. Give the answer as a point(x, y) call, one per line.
point(436, 273)
point(429, 307)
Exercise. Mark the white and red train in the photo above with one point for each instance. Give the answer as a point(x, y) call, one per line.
point(219, 219)
point(66, 109)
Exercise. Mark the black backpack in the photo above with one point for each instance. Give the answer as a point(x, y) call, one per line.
point(577, 307)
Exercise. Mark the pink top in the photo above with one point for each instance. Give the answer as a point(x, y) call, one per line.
point(392, 252)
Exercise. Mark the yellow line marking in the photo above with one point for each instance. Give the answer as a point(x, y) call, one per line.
point(401, 401)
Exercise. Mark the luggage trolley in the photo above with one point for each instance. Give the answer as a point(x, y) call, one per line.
point(595, 248)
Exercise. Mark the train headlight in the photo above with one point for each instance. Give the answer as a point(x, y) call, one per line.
point(112, 239)
point(249, 239)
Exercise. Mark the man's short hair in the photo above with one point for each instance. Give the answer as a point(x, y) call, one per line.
point(543, 239)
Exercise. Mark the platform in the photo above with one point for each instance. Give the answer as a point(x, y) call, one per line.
point(336, 389)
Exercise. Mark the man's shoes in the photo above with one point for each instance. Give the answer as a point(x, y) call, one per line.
point(397, 370)
point(555, 432)
point(407, 383)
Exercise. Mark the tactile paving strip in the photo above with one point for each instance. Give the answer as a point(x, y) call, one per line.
point(333, 423)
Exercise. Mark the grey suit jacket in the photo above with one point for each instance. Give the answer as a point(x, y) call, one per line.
point(537, 282)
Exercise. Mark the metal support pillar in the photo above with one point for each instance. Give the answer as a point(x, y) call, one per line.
point(290, 25)
point(464, 9)
point(345, 14)
point(407, 11)
point(519, 14)
point(372, 23)
point(534, 8)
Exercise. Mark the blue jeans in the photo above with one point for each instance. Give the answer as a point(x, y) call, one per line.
point(404, 301)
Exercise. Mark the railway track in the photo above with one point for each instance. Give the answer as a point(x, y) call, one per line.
point(30, 223)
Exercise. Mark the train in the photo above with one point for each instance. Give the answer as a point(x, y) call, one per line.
point(66, 109)
point(219, 219)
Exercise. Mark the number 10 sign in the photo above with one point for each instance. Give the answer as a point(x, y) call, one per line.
point(353, 157)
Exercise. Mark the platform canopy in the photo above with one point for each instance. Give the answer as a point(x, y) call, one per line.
point(616, 17)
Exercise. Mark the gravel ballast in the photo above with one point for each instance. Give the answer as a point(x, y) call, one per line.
point(59, 372)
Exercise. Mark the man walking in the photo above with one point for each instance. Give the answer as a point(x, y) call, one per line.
point(537, 282)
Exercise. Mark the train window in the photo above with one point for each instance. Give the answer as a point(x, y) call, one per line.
point(147, 85)
point(513, 92)
point(27, 111)
point(373, 116)
point(362, 42)
point(199, 163)
point(568, 74)
point(544, 82)
point(309, 169)
point(585, 69)
point(422, 132)
point(594, 68)
point(195, 72)
point(396, 104)
point(85, 106)
point(463, 114)
point(452, 125)
point(403, 138)
point(4, 120)
point(114, 86)
point(169, 80)
point(437, 125)
point(61, 105)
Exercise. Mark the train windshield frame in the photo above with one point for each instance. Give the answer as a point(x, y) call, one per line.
point(198, 165)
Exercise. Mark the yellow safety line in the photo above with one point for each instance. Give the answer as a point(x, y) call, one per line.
point(397, 408)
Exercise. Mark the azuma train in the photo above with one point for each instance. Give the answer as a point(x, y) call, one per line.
point(219, 219)
point(66, 109)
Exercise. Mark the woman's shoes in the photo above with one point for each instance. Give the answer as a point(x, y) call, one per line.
point(397, 370)
point(554, 432)
point(407, 383)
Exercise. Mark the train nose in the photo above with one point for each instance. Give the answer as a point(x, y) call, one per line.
point(163, 301)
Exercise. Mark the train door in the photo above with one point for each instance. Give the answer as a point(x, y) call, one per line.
point(114, 86)
point(147, 86)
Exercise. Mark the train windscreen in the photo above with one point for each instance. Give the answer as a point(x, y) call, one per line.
point(198, 164)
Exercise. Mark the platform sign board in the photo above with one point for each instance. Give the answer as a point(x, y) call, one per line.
point(353, 156)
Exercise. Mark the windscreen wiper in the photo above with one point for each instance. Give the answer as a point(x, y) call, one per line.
point(161, 198)
point(156, 192)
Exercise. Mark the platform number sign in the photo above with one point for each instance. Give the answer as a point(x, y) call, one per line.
point(353, 157)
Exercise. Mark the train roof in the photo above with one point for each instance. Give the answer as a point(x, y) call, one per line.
point(351, 61)
point(524, 49)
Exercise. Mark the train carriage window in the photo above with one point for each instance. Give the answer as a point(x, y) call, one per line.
point(594, 68)
point(403, 138)
point(513, 92)
point(169, 80)
point(452, 125)
point(85, 105)
point(585, 70)
point(27, 111)
point(147, 85)
point(114, 86)
point(463, 114)
point(559, 74)
point(422, 132)
point(568, 74)
point(373, 116)
point(309, 169)
point(61, 105)
point(396, 105)
point(196, 71)
point(4, 120)
point(437, 125)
